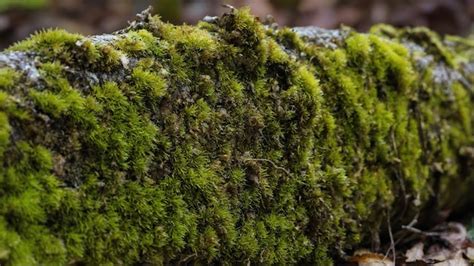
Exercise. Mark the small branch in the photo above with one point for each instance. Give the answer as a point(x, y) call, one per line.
point(392, 242)
point(229, 7)
point(187, 258)
point(271, 162)
point(403, 236)
point(418, 231)
point(414, 221)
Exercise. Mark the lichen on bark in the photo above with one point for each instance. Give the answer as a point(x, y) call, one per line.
point(229, 141)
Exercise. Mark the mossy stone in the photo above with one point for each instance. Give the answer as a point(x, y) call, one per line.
point(229, 141)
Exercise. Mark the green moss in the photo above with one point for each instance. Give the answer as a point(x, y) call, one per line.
point(224, 142)
point(463, 110)
point(8, 78)
point(29, 192)
point(4, 133)
point(59, 44)
point(150, 83)
point(134, 42)
point(432, 42)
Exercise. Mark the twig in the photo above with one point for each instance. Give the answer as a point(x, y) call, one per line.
point(271, 162)
point(145, 14)
point(187, 258)
point(392, 242)
point(402, 234)
point(418, 231)
point(142, 18)
point(229, 6)
point(399, 173)
point(414, 221)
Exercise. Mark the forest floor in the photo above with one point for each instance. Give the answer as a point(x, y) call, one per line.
point(448, 244)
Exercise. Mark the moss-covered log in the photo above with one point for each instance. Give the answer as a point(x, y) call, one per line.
point(229, 141)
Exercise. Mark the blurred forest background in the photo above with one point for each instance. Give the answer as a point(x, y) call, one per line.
point(19, 18)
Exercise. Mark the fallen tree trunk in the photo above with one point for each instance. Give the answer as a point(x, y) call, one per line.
point(228, 141)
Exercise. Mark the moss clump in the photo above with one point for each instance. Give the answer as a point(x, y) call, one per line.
point(226, 142)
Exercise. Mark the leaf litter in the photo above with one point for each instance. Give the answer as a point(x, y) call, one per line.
point(448, 244)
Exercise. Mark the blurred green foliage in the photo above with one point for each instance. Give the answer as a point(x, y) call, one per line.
point(30, 4)
point(169, 10)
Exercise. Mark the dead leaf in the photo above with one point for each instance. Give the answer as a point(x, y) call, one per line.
point(367, 258)
point(458, 260)
point(455, 234)
point(438, 253)
point(415, 253)
point(469, 252)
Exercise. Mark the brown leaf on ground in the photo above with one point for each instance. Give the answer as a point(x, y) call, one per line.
point(447, 244)
point(469, 252)
point(457, 260)
point(415, 253)
point(454, 233)
point(367, 258)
